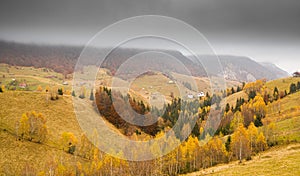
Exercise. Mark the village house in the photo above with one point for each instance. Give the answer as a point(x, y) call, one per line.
point(201, 94)
point(296, 74)
point(190, 96)
point(23, 85)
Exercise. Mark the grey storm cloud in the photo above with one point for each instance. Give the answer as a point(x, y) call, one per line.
point(266, 30)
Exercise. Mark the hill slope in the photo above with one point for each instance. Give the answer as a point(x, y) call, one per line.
point(274, 69)
point(242, 68)
point(64, 58)
point(277, 161)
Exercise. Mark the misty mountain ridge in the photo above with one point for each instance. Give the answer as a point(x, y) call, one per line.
point(275, 69)
point(242, 68)
point(63, 59)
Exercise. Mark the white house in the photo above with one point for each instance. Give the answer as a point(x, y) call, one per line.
point(190, 96)
point(201, 94)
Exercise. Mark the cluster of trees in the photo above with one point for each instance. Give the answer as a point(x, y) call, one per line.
point(181, 115)
point(181, 112)
point(83, 93)
point(32, 126)
point(253, 110)
point(54, 92)
point(191, 155)
point(140, 115)
point(294, 87)
point(240, 145)
point(239, 102)
point(233, 90)
point(245, 142)
point(189, 115)
point(268, 95)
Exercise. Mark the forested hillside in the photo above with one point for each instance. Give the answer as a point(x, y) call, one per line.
point(256, 117)
point(63, 59)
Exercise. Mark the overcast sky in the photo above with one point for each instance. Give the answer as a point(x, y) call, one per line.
point(265, 30)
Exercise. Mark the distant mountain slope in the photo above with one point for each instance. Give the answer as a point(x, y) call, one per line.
point(63, 59)
point(242, 68)
point(274, 69)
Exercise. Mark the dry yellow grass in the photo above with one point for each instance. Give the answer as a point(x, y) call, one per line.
point(148, 84)
point(59, 114)
point(282, 84)
point(14, 154)
point(282, 109)
point(17, 157)
point(282, 160)
point(231, 99)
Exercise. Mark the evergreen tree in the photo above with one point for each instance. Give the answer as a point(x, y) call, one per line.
point(251, 95)
point(143, 107)
point(243, 85)
point(73, 93)
point(238, 89)
point(275, 93)
point(293, 88)
point(258, 122)
point(196, 131)
point(82, 92)
point(227, 144)
point(60, 91)
point(92, 98)
point(285, 93)
point(232, 90)
point(227, 108)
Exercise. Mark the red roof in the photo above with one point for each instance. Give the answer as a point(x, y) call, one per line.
point(296, 74)
point(22, 85)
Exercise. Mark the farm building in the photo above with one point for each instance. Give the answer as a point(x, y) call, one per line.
point(190, 96)
point(201, 94)
point(296, 74)
point(23, 85)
